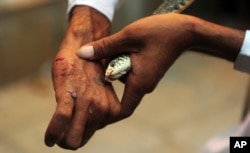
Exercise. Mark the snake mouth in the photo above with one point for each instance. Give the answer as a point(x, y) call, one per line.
point(108, 77)
point(112, 77)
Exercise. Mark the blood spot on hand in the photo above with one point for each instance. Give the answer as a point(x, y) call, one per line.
point(63, 67)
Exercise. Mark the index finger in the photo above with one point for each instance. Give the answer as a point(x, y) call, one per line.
point(132, 96)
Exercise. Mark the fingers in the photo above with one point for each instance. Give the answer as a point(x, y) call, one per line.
point(73, 125)
point(83, 124)
point(60, 120)
point(73, 136)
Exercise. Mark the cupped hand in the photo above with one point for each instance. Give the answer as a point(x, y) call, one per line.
point(85, 102)
point(153, 43)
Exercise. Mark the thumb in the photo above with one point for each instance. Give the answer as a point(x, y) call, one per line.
point(103, 48)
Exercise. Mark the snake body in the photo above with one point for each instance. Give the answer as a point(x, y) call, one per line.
point(121, 64)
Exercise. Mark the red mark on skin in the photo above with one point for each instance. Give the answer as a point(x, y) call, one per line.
point(64, 67)
point(59, 59)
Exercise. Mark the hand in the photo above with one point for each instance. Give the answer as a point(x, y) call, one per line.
point(85, 102)
point(154, 43)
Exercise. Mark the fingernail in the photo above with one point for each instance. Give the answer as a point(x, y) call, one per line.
point(86, 52)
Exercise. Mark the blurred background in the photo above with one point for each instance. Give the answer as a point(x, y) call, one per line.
point(199, 97)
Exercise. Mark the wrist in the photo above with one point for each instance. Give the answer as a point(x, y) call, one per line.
point(86, 21)
point(107, 8)
point(85, 25)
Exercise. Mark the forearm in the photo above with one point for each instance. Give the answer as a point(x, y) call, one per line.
point(217, 40)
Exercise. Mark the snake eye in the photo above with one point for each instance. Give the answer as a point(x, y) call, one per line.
point(176, 6)
point(182, 3)
point(112, 63)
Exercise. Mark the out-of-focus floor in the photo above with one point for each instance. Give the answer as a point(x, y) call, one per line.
point(199, 97)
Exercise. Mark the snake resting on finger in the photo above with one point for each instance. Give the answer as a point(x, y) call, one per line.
point(121, 64)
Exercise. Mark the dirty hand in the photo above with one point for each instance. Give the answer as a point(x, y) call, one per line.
point(153, 44)
point(85, 102)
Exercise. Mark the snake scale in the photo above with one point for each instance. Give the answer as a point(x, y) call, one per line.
point(120, 65)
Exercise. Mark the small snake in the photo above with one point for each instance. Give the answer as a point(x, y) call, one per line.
point(121, 64)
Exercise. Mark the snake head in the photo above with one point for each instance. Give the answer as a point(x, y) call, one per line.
point(117, 68)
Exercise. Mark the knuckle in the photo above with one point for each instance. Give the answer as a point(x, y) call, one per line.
point(101, 106)
point(102, 48)
point(97, 104)
point(65, 98)
point(89, 99)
